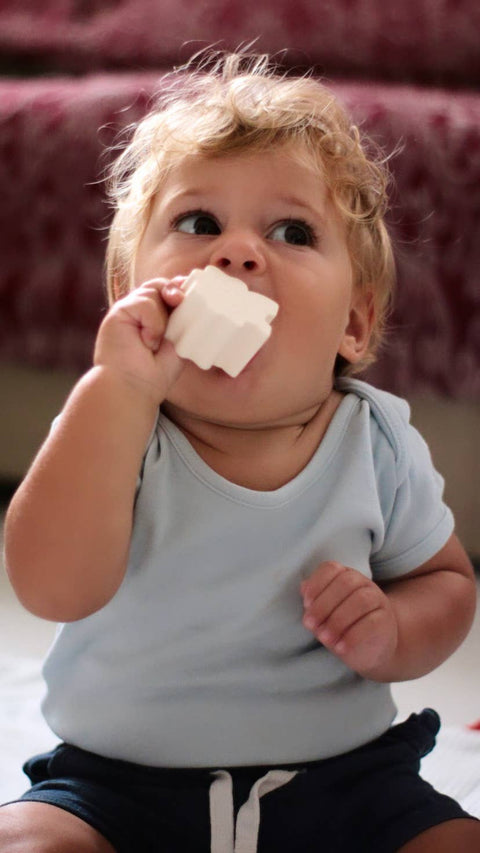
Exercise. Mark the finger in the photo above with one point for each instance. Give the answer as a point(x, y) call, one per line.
point(323, 575)
point(169, 289)
point(360, 605)
point(330, 587)
point(145, 309)
point(159, 281)
point(365, 632)
point(172, 295)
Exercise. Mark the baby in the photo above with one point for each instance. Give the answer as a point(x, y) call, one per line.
point(242, 563)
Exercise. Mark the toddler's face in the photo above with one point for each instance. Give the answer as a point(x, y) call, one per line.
point(266, 219)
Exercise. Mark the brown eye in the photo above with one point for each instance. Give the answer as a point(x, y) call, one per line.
point(293, 232)
point(197, 223)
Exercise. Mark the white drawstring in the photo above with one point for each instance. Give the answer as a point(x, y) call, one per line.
point(221, 813)
point(244, 837)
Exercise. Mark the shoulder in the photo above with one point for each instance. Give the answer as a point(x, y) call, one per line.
point(389, 422)
point(417, 523)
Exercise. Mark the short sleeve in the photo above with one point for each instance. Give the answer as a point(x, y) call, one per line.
point(417, 523)
point(152, 449)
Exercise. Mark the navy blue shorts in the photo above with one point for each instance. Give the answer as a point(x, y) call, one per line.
point(370, 800)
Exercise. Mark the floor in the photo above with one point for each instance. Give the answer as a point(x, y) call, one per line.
point(453, 689)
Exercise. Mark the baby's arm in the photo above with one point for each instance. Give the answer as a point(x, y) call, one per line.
point(401, 630)
point(68, 528)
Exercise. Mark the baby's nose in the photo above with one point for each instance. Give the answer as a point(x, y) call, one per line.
point(223, 263)
point(239, 254)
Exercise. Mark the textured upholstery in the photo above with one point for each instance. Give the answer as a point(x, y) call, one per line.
point(435, 40)
point(54, 130)
point(53, 217)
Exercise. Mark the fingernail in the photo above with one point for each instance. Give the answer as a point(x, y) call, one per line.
point(170, 289)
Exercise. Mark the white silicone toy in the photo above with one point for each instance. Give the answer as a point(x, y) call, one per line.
point(220, 322)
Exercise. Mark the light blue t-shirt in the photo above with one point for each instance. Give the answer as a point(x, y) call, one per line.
point(201, 658)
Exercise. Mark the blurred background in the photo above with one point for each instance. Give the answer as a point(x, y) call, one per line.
point(73, 73)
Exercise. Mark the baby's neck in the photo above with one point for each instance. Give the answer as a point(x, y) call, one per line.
point(262, 458)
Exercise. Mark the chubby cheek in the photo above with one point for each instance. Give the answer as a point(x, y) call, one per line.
point(147, 266)
point(149, 262)
point(141, 269)
point(162, 256)
point(308, 335)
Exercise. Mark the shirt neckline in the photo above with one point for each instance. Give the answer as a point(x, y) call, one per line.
point(314, 468)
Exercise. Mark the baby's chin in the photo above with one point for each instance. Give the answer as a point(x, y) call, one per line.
point(255, 399)
point(260, 418)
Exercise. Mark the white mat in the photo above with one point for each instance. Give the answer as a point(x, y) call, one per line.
point(453, 767)
point(23, 731)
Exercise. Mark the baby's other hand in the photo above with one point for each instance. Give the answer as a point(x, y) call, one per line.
point(131, 337)
point(350, 615)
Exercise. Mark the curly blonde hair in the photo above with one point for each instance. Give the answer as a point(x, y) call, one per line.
point(232, 102)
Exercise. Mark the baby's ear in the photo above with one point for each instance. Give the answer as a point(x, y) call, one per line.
point(359, 328)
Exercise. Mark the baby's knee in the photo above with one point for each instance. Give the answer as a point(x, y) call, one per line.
point(28, 827)
point(13, 830)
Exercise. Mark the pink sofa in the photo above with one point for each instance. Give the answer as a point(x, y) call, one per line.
point(76, 71)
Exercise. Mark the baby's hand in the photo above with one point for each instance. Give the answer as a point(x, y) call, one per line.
point(351, 616)
point(131, 337)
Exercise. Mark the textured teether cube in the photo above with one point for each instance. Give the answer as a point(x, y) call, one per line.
point(220, 322)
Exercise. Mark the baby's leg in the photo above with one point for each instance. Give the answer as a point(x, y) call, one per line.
point(452, 836)
point(27, 827)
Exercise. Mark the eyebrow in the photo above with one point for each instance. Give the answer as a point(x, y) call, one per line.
point(288, 200)
point(293, 201)
point(182, 195)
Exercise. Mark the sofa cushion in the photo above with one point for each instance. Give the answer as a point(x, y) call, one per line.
point(53, 218)
point(434, 339)
point(423, 40)
point(53, 133)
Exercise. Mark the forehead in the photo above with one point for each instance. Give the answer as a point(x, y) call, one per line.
point(285, 171)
